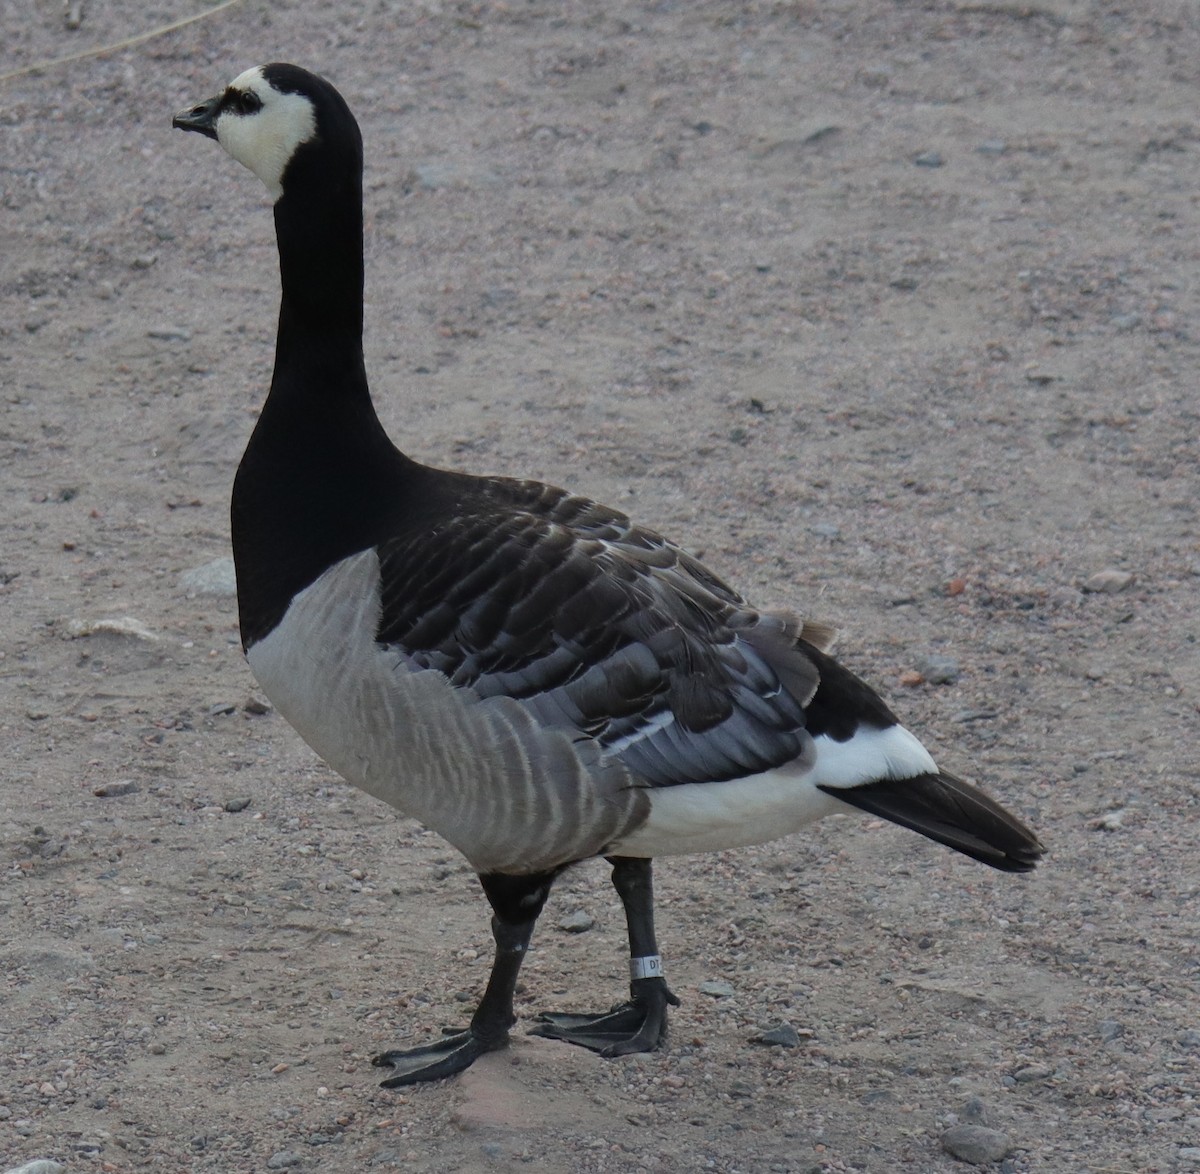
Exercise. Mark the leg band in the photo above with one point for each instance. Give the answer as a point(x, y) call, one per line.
point(648, 967)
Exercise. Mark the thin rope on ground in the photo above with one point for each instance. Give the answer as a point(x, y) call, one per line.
point(37, 66)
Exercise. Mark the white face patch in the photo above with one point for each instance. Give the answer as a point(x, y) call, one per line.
point(266, 139)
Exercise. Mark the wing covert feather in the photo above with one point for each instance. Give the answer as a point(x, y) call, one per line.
point(603, 628)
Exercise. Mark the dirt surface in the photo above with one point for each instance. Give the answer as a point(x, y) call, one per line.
point(888, 308)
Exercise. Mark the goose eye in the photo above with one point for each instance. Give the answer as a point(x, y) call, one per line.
point(246, 102)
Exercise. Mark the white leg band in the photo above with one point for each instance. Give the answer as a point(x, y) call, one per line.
point(649, 967)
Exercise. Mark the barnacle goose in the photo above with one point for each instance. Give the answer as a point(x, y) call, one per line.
point(527, 672)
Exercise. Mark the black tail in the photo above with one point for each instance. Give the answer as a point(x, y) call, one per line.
point(952, 812)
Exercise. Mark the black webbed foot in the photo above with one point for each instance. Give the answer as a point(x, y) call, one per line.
point(639, 1025)
point(451, 1054)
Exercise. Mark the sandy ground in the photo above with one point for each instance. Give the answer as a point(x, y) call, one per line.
point(888, 308)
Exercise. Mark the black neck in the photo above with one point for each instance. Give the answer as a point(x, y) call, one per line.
point(320, 479)
point(320, 234)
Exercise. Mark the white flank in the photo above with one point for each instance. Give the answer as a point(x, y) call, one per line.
point(708, 817)
point(266, 140)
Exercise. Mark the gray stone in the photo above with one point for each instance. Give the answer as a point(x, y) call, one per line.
point(283, 1159)
point(973, 1112)
point(717, 988)
point(212, 578)
point(826, 529)
point(38, 1166)
point(975, 1144)
point(1188, 1038)
point(929, 159)
point(434, 175)
point(878, 1096)
point(940, 670)
point(1108, 582)
point(1032, 1072)
point(577, 922)
point(115, 789)
point(783, 1036)
point(1110, 1029)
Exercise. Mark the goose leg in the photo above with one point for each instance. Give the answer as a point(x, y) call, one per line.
point(517, 901)
point(639, 1025)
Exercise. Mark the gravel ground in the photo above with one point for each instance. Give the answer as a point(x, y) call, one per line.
point(888, 308)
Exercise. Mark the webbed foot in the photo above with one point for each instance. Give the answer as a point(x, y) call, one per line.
point(639, 1025)
point(452, 1054)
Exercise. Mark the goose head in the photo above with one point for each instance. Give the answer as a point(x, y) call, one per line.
point(272, 118)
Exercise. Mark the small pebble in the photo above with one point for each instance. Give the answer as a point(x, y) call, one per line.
point(825, 529)
point(973, 1112)
point(929, 159)
point(1031, 1073)
point(577, 922)
point(783, 1036)
point(237, 804)
point(215, 577)
point(38, 1166)
point(940, 670)
point(1110, 1029)
point(282, 1159)
point(975, 1144)
point(1189, 1038)
point(115, 788)
point(717, 988)
point(878, 1096)
point(1108, 582)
